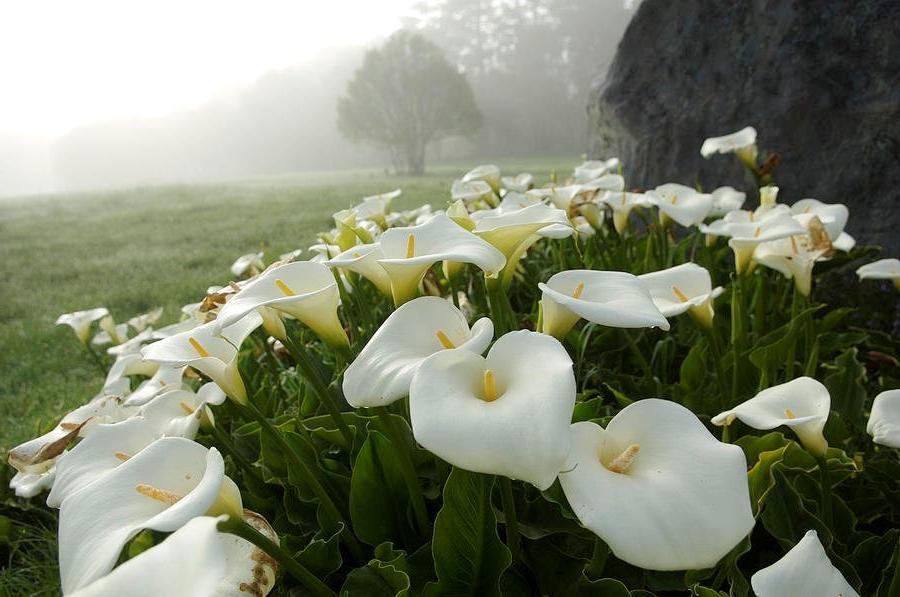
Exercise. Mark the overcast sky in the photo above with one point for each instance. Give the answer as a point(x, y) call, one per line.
point(70, 62)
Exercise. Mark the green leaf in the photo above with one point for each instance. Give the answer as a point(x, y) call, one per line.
point(322, 555)
point(376, 579)
point(785, 515)
point(379, 502)
point(847, 388)
point(468, 554)
point(605, 587)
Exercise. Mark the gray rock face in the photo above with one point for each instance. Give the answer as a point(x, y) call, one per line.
point(820, 81)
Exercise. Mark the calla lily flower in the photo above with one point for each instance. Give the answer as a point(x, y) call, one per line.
point(519, 183)
point(34, 480)
point(622, 204)
point(681, 204)
point(167, 377)
point(615, 299)
point(884, 420)
point(742, 143)
point(792, 257)
point(248, 265)
point(513, 231)
point(883, 269)
point(802, 404)
point(363, 259)
point(592, 169)
point(178, 413)
point(410, 251)
point(833, 215)
point(111, 333)
point(129, 364)
point(583, 227)
point(104, 449)
point(248, 568)
point(504, 414)
point(188, 563)
point(472, 191)
point(80, 321)
point(683, 288)
point(141, 322)
point(488, 173)
point(161, 488)
point(658, 487)
point(375, 207)
point(746, 237)
point(132, 345)
point(768, 196)
point(106, 407)
point(213, 354)
point(304, 290)
point(290, 256)
point(384, 369)
point(804, 571)
point(726, 199)
point(607, 182)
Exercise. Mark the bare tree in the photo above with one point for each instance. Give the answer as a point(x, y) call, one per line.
point(405, 96)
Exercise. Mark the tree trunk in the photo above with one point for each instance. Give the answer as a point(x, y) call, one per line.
point(415, 158)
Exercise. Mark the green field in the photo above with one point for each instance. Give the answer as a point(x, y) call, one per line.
point(133, 250)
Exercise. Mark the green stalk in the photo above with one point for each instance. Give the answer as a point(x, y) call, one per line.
point(501, 312)
point(410, 476)
point(642, 361)
point(717, 359)
point(310, 477)
point(225, 443)
point(243, 530)
point(513, 539)
point(312, 375)
point(96, 358)
point(826, 490)
point(737, 334)
point(792, 349)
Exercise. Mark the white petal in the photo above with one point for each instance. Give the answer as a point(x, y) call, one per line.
point(105, 448)
point(363, 259)
point(616, 299)
point(689, 279)
point(726, 199)
point(97, 521)
point(883, 269)
point(384, 369)
point(249, 570)
point(884, 420)
point(729, 143)
point(167, 377)
point(683, 503)
point(190, 562)
point(804, 571)
point(802, 404)
point(523, 434)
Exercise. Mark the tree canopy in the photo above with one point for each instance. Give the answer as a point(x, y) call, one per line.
point(405, 96)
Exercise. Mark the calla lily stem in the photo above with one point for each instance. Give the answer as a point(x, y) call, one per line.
point(225, 442)
point(97, 359)
point(321, 493)
point(513, 539)
point(311, 374)
point(825, 482)
point(641, 359)
point(409, 472)
point(243, 530)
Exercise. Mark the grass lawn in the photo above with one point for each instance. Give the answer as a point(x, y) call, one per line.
point(136, 249)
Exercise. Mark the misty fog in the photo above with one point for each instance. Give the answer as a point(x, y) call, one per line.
point(530, 64)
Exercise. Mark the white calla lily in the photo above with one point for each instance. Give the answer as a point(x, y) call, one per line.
point(110, 333)
point(488, 173)
point(518, 183)
point(792, 257)
point(80, 321)
point(742, 143)
point(592, 169)
point(804, 571)
point(681, 204)
point(248, 568)
point(726, 199)
point(179, 413)
point(802, 404)
point(884, 420)
point(834, 216)
point(141, 322)
point(132, 345)
point(167, 377)
point(621, 204)
point(213, 354)
point(658, 487)
point(615, 299)
point(248, 265)
point(191, 562)
point(104, 449)
point(161, 488)
point(410, 251)
point(471, 191)
point(304, 290)
point(363, 259)
point(384, 369)
point(745, 237)
point(129, 364)
point(35, 480)
point(375, 207)
point(683, 288)
point(106, 407)
point(883, 269)
point(504, 414)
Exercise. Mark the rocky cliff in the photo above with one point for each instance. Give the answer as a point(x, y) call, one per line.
point(820, 80)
